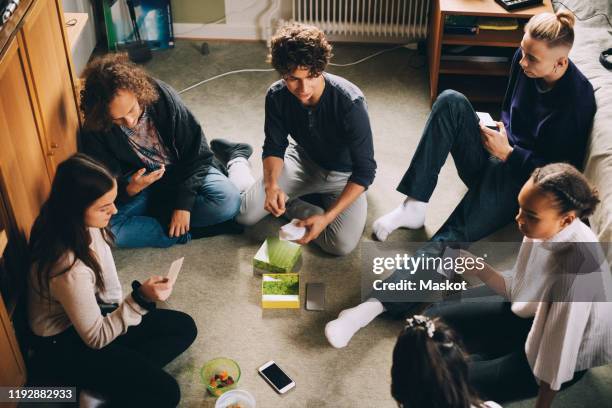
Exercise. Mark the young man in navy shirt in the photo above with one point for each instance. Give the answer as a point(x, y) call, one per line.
point(331, 153)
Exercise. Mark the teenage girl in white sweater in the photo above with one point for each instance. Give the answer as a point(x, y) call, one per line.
point(552, 321)
point(555, 321)
point(121, 354)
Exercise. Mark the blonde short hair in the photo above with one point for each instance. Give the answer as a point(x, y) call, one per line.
point(554, 29)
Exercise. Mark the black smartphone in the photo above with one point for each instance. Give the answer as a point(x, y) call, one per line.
point(315, 296)
point(152, 167)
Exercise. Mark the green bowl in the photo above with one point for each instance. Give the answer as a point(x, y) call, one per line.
point(217, 366)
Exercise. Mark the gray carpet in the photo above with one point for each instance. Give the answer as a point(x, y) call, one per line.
point(217, 286)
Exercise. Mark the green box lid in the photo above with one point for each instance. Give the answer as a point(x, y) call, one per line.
point(276, 255)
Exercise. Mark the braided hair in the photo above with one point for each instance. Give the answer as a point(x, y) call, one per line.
point(569, 188)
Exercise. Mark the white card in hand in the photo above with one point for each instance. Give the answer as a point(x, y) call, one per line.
point(487, 120)
point(291, 232)
point(175, 268)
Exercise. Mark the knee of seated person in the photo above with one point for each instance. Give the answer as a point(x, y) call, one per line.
point(232, 202)
point(341, 248)
point(168, 395)
point(247, 219)
point(450, 97)
point(188, 328)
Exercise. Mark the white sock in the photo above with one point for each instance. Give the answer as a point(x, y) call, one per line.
point(340, 331)
point(409, 214)
point(239, 173)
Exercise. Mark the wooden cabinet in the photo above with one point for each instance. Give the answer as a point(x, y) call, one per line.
point(38, 130)
point(48, 61)
point(479, 81)
point(22, 162)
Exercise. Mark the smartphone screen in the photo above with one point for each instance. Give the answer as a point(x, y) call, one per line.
point(276, 376)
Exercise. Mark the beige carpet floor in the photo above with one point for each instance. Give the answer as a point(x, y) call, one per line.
point(217, 286)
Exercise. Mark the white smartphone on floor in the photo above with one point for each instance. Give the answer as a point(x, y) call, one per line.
point(487, 120)
point(276, 377)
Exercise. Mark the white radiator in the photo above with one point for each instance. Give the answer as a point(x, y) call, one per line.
point(366, 20)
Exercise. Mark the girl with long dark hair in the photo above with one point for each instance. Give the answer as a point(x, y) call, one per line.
point(122, 353)
point(430, 368)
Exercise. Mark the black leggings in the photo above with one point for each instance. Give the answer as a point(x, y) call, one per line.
point(129, 370)
point(495, 339)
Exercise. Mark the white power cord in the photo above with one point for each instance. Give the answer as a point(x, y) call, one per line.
point(239, 71)
point(376, 54)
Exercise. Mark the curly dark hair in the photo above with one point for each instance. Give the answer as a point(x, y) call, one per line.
point(299, 45)
point(569, 188)
point(103, 78)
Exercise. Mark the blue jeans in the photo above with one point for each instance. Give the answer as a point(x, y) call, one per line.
point(218, 200)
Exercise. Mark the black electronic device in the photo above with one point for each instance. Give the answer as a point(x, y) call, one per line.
point(512, 5)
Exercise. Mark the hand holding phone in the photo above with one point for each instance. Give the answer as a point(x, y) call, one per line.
point(487, 120)
point(141, 180)
point(276, 377)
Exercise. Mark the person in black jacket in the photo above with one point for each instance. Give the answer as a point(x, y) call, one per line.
point(140, 129)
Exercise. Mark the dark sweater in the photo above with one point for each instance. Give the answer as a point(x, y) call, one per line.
point(180, 132)
point(335, 133)
point(547, 127)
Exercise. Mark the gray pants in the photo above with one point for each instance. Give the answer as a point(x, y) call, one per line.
point(301, 176)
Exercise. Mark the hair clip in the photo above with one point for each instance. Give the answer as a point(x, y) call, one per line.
point(422, 321)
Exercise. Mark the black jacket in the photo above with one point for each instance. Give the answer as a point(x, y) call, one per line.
point(181, 133)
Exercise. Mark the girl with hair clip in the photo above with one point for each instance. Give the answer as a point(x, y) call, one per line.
point(430, 368)
point(557, 323)
point(122, 353)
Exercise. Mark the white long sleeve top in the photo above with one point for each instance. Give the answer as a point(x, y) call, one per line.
point(73, 300)
point(566, 336)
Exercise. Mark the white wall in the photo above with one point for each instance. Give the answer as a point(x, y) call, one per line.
point(81, 51)
point(244, 20)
